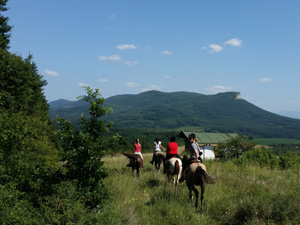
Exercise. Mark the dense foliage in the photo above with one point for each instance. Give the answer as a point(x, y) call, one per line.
point(5, 28)
point(46, 176)
point(83, 150)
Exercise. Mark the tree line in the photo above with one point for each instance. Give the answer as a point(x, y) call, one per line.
point(47, 175)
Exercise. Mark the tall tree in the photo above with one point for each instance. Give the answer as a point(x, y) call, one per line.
point(84, 149)
point(4, 27)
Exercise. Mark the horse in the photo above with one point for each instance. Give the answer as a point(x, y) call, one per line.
point(196, 175)
point(158, 159)
point(173, 169)
point(136, 162)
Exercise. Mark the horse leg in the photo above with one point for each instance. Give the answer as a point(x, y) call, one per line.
point(190, 194)
point(132, 171)
point(196, 195)
point(202, 196)
point(137, 172)
point(158, 166)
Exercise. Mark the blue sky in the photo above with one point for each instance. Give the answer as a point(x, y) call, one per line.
point(131, 46)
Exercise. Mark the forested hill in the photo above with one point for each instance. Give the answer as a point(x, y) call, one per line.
point(223, 112)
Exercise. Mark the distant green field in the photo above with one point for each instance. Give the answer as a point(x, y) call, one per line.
point(269, 141)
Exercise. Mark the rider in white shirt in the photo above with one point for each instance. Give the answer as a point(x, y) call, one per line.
point(157, 148)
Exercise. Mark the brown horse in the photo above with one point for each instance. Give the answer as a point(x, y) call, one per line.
point(196, 175)
point(174, 170)
point(158, 159)
point(135, 163)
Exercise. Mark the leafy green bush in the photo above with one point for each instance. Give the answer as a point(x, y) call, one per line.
point(233, 148)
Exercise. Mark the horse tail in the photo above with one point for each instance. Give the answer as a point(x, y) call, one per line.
point(208, 179)
point(177, 168)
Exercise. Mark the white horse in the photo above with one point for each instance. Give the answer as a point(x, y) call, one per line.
point(174, 170)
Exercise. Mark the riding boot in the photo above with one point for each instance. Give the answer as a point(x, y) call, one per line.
point(152, 159)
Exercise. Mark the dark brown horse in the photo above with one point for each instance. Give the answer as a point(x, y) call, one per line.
point(158, 159)
point(135, 163)
point(196, 175)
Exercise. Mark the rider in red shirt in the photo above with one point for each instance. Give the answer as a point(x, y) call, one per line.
point(171, 151)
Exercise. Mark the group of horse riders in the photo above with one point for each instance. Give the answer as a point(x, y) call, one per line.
point(195, 153)
point(171, 151)
point(192, 169)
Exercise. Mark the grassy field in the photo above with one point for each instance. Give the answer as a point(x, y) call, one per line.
point(241, 195)
point(270, 141)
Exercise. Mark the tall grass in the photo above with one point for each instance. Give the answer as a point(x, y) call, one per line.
point(243, 194)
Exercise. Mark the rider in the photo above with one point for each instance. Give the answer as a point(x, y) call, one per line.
point(171, 151)
point(158, 147)
point(195, 154)
point(137, 147)
point(194, 149)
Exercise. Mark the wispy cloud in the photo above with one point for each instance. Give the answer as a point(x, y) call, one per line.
point(117, 58)
point(51, 73)
point(110, 58)
point(151, 88)
point(265, 79)
point(168, 76)
point(234, 42)
point(83, 85)
point(101, 80)
point(166, 52)
point(126, 47)
point(216, 48)
point(132, 84)
point(131, 63)
point(218, 88)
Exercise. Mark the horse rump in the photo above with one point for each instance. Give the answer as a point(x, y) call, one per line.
point(159, 157)
point(208, 179)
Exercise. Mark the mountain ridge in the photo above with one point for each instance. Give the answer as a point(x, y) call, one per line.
point(155, 110)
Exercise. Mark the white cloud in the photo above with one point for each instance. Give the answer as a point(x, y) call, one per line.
point(126, 47)
point(166, 52)
point(265, 79)
point(83, 85)
point(218, 88)
point(131, 63)
point(168, 76)
point(101, 80)
point(110, 58)
point(51, 73)
point(234, 42)
point(132, 84)
point(117, 58)
point(215, 48)
point(152, 87)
